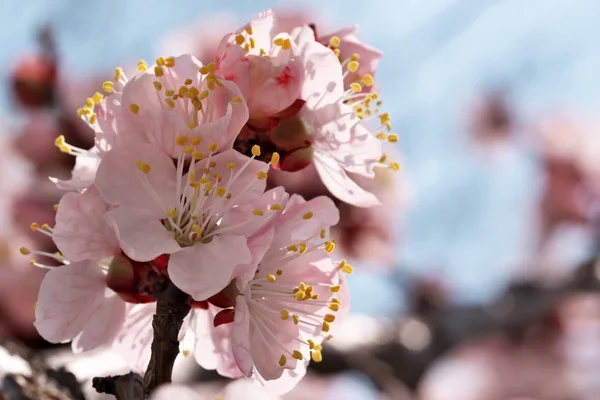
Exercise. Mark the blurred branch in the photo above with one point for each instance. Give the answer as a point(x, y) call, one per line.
point(522, 306)
point(27, 376)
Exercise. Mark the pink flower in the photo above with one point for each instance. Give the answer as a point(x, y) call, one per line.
point(84, 300)
point(195, 211)
point(266, 67)
point(177, 99)
point(284, 308)
point(74, 303)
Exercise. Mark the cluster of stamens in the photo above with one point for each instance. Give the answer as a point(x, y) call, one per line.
point(276, 289)
point(202, 199)
point(366, 104)
point(245, 40)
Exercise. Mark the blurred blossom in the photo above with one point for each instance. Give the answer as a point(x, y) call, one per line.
point(570, 155)
point(33, 80)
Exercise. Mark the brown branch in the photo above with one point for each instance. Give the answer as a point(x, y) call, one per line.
point(172, 307)
point(123, 387)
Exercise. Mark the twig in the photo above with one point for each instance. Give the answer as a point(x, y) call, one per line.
point(172, 307)
point(123, 387)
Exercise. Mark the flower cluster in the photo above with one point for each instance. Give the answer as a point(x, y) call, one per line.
point(175, 190)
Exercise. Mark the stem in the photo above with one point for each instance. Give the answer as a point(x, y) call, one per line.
point(172, 307)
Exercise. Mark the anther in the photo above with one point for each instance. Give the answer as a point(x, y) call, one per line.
point(285, 314)
point(296, 319)
point(108, 86)
point(308, 215)
point(256, 150)
point(213, 147)
point(275, 158)
point(134, 108)
point(368, 80)
point(353, 66)
point(334, 42)
point(257, 212)
point(329, 318)
point(157, 85)
point(25, 251)
point(325, 326)
point(236, 100)
point(395, 166)
point(271, 278)
point(261, 175)
point(97, 97)
point(276, 207)
point(297, 355)
point(181, 140)
point(393, 138)
point(335, 288)
point(329, 246)
point(282, 361)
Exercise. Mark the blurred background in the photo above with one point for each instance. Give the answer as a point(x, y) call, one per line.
point(477, 280)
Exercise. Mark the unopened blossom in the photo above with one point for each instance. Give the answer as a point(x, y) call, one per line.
point(284, 309)
point(84, 299)
point(195, 210)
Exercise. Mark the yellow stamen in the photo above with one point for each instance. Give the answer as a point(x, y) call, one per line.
point(353, 66)
point(285, 314)
point(108, 86)
point(271, 278)
point(297, 355)
point(261, 175)
point(334, 41)
point(308, 215)
point(25, 251)
point(276, 207)
point(275, 158)
point(256, 150)
point(282, 361)
point(257, 212)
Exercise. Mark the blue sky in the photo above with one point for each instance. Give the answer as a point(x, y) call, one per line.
point(469, 221)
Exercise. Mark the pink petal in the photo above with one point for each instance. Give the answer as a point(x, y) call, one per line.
point(324, 214)
point(110, 121)
point(135, 338)
point(340, 185)
point(204, 269)
point(279, 91)
point(287, 381)
point(323, 83)
point(83, 173)
point(120, 182)
point(234, 113)
point(163, 127)
point(240, 337)
point(103, 327)
point(141, 235)
point(68, 298)
point(253, 223)
point(265, 352)
point(258, 244)
point(212, 348)
point(80, 232)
